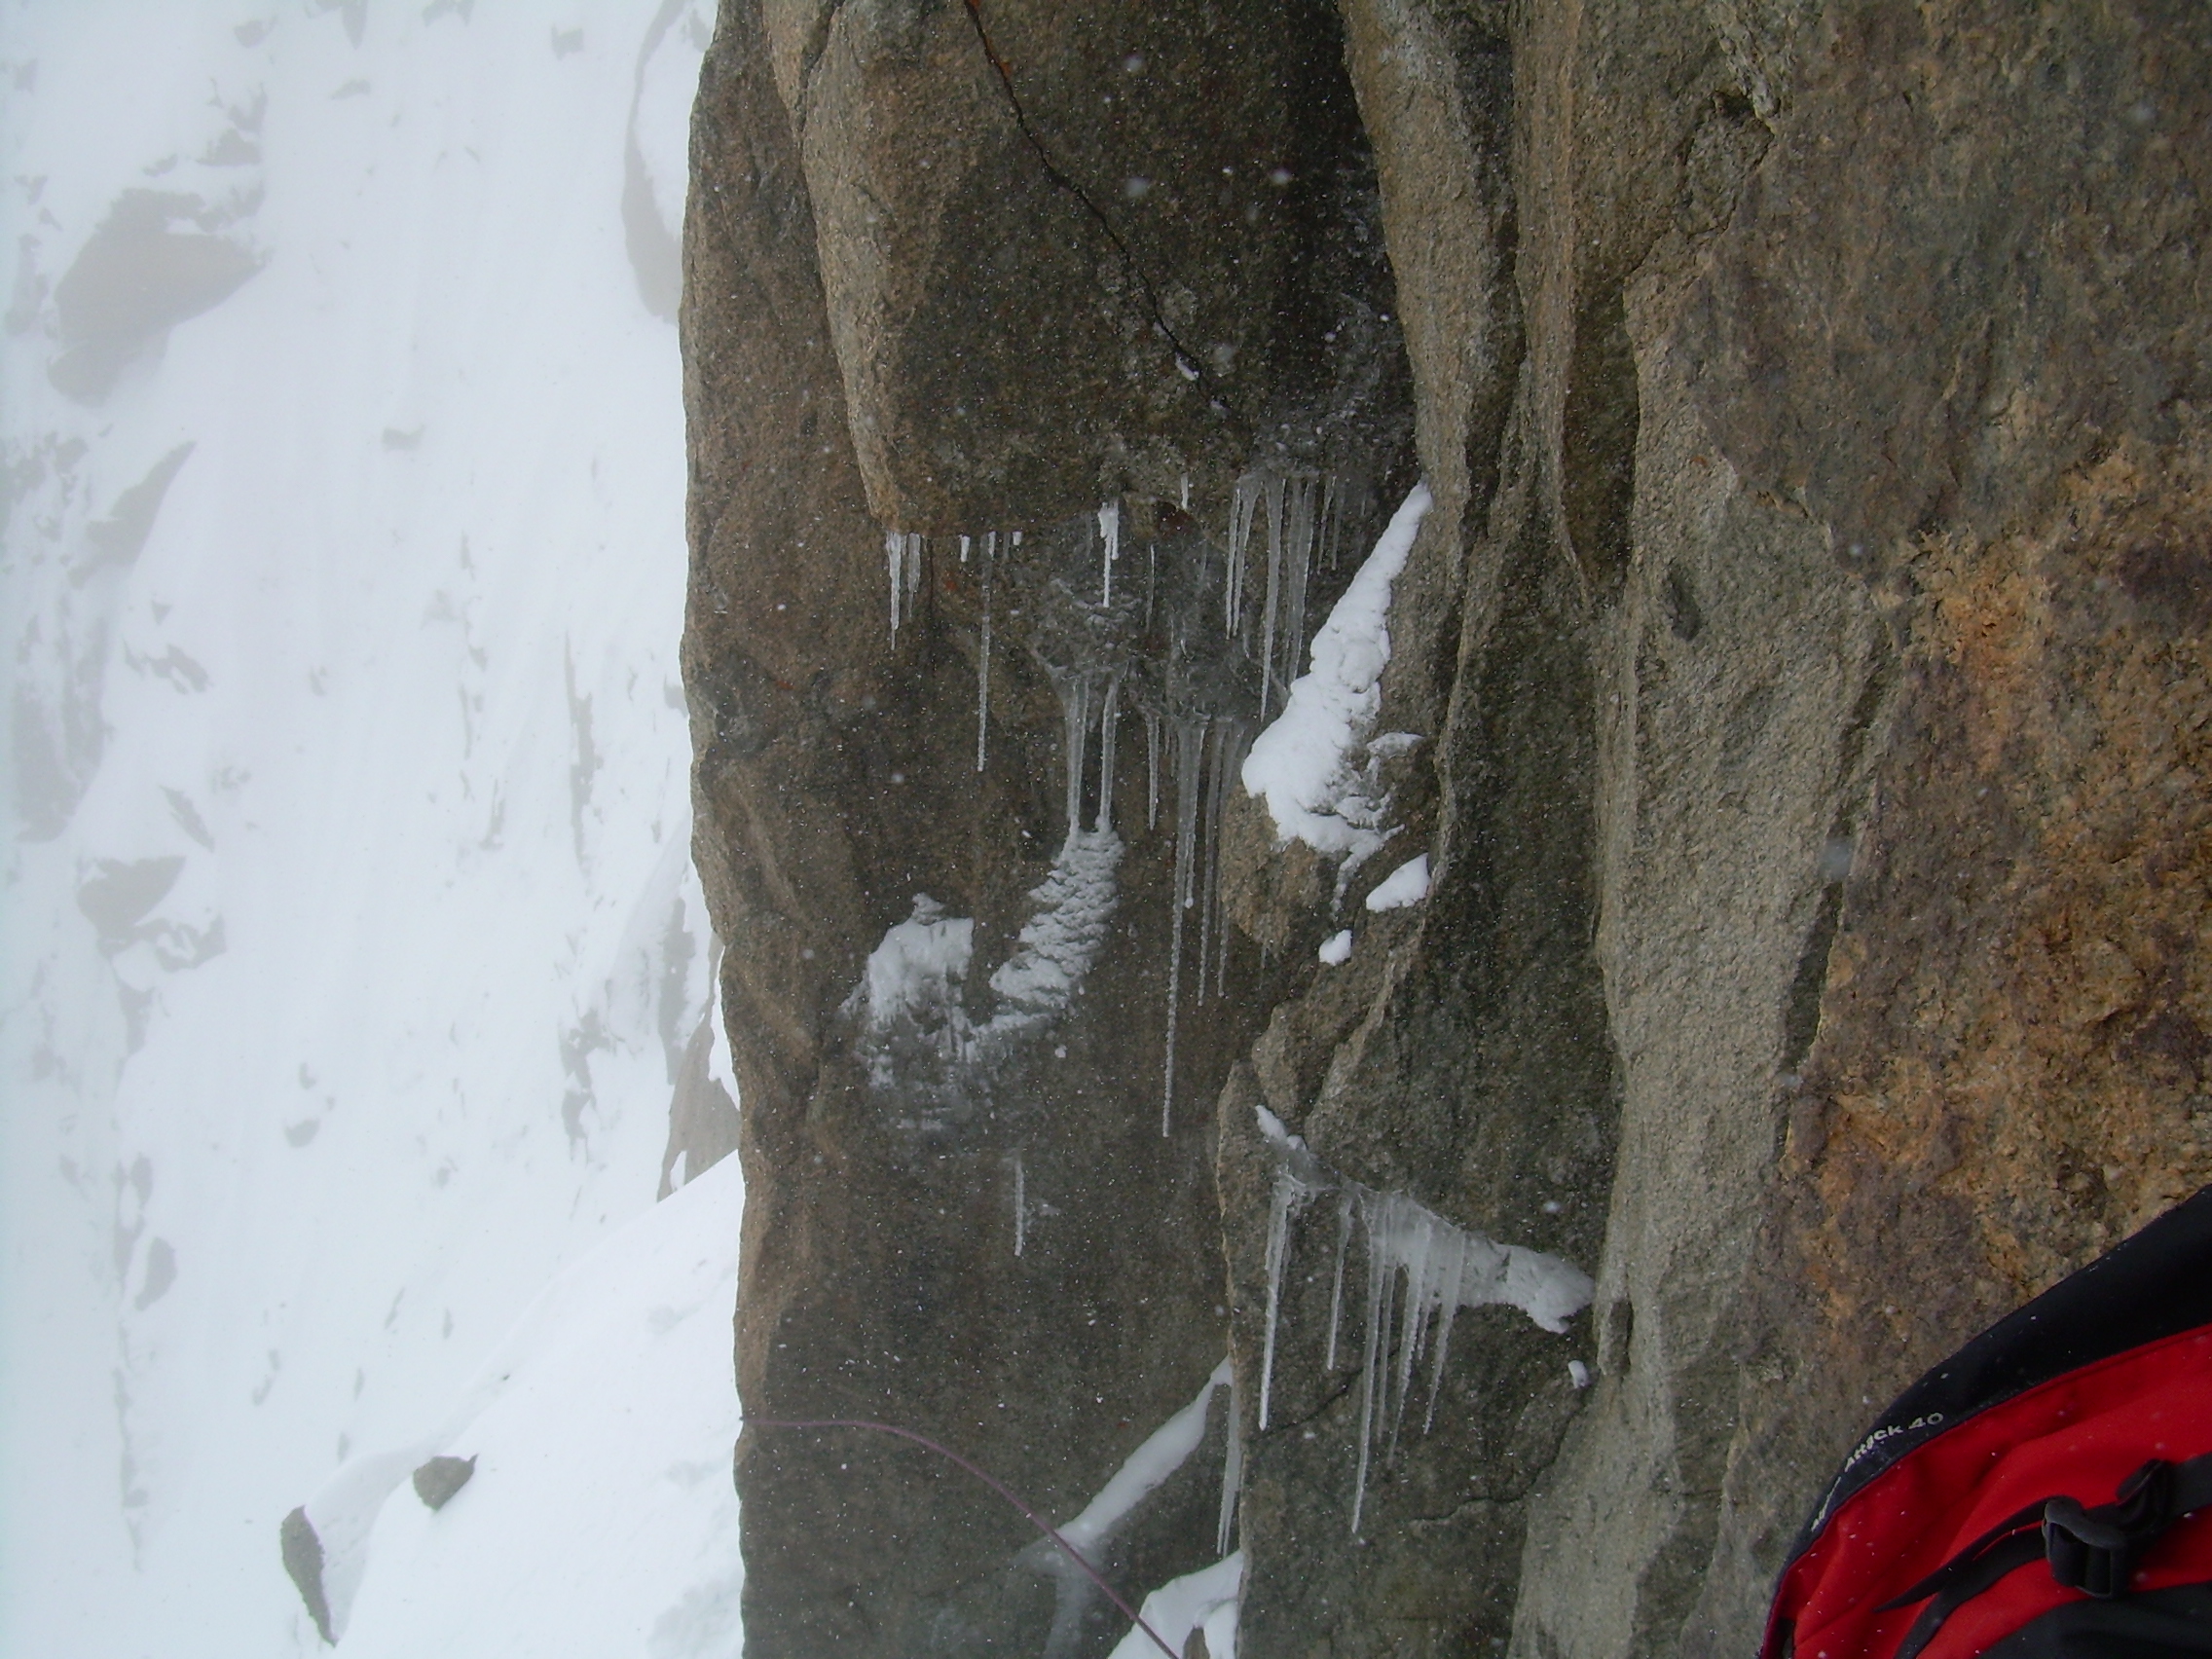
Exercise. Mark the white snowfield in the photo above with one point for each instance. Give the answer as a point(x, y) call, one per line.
point(350, 935)
point(601, 1518)
point(1315, 765)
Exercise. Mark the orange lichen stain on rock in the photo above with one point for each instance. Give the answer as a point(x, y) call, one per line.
point(2014, 1052)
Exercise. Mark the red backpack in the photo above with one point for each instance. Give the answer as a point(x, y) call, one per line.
point(2043, 1494)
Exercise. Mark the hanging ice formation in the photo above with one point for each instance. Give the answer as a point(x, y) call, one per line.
point(1109, 644)
point(1302, 513)
point(1420, 1271)
point(903, 551)
point(983, 653)
point(1110, 535)
point(1207, 751)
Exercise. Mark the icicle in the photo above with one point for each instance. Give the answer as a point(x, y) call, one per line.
point(1281, 1208)
point(1020, 1205)
point(1227, 761)
point(1189, 758)
point(1151, 578)
point(1298, 564)
point(1209, 896)
point(895, 551)
point(1268, 617)
point(1242, 501)
point(1454, 1272)
point(1075, 710)
point(1174, 999)
point(914, 549)
point(1185, 491)
point(1369, 1363)
point(1414, 1310)
point(1151, 769)
point(983, 659)
point(964, 549)
point(1336, 1291)
point(1190, 741)
point(1107, 724)
point(1110, 532)
point(1232, 1469)
point(1018, 538)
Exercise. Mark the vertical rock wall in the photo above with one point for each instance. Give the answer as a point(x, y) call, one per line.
point(1805, 654)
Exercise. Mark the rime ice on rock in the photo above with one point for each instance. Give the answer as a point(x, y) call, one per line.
point(1420, 1271)
point(1162, 1453)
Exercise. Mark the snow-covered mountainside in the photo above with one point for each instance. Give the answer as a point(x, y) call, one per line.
point(352, 936)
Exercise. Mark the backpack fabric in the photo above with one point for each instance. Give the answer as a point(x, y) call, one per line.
point(2043, 1494)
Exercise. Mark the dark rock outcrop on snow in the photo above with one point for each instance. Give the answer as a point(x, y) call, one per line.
point(439, 1480)
point(1804, 662)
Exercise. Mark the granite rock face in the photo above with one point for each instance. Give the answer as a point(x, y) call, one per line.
point(1804, 666)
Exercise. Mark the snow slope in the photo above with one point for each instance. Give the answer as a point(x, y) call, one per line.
point(350, 935)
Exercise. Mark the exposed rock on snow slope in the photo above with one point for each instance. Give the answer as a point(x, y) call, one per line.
point(352, 944)
point(1805, 647)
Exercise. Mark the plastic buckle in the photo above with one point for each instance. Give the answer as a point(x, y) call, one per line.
point(2087, 1553)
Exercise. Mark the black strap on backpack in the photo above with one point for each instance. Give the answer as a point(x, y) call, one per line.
point(2091, 1550)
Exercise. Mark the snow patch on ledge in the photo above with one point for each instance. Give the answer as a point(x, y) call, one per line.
point(1315, 764)
point(1403, 888)
point(1208, 1599)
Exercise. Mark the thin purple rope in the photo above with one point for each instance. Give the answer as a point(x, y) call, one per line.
point(1035, 1520)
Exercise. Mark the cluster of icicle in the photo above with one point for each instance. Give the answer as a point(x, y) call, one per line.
point(1420, 1272)
point(1209, 750)
point(907, 553)
point(1304, 518)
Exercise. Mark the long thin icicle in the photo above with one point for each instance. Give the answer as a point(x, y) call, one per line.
point(1242, 499)
point(1272, 498)
point(1369, 1363)
point(1413, 1311)
point(894, 554)
point(1228, 760)
point(1298, 563)
point(983, 660)
point(1151, 768)
point(1455, 1272)
point(1075, 708)
point(1190, 751)
point(1336, 1291)
point(1232, 1469)
point(1109, 533)
point(1108, 724)
point(1290, 1198)
point(1208, 909)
